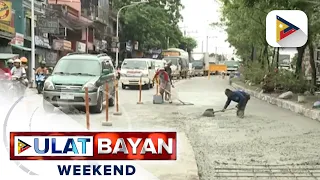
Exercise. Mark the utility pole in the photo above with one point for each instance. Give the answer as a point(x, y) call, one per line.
point(201, 46)
point(33, 46)
point(87, 40)
point(207, 45)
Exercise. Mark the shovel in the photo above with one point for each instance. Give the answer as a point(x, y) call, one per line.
point(210, 112)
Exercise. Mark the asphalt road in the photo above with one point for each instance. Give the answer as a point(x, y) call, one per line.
point(267, 138)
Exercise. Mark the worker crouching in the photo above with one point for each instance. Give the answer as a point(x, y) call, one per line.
point(240, 97)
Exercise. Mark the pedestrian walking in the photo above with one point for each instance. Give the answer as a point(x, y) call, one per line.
point(240, 97)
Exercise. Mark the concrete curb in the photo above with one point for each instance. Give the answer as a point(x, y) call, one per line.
point(285, 104)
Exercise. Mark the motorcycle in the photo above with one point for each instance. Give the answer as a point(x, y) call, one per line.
point(18, 85)
point(40, 79)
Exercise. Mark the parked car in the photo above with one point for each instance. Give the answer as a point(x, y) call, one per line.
point(232, 66)
point(72, 74)
point(199, 67)
point(132, 69)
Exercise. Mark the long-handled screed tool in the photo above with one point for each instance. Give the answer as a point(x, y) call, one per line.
point(182, 102)
point(211, 112)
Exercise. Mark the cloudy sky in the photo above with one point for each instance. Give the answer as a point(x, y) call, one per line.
point(197, 17)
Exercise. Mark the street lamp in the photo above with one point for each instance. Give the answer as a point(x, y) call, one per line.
point(117, 34)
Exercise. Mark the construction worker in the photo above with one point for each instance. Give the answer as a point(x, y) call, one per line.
point(165, 85)
point(168, 69)
point(240, 97)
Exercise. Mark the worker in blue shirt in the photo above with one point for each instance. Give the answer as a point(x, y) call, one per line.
point(240, 97)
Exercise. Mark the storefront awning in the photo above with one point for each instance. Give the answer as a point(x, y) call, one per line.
point(8, 56)
point(77, 23)
point(21, 47)
point(9, 37)
point(65, 24)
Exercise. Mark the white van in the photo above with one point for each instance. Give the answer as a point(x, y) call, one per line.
point(135, 68)
point(159, 63)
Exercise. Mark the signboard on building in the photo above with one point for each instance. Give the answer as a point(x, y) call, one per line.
point(61, 45)
point(42, 42)
point(115, 39)
point(57, 45)
point(51, 58)
point(97, 44)
point(155, 53)
point(90, 46)
point(114, 44)
point(136, 45)
point(104, 45)
point(129, 46)
point(7, 28)
point(18, 40)
point(5, 11)
point(80, 47)
point(48, 25)
point(72, 11)
point(38, 6)
point(29, 15)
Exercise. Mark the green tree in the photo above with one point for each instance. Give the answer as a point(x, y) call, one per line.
point(311, 8)
point(188, 43)
point(244, 21)
point(152, 24)
point(245, 27)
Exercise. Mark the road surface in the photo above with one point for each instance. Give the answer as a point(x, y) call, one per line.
point(266, 137)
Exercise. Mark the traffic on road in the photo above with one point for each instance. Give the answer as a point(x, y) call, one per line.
point(221, 126)
point(226, 136)
point(160, 89)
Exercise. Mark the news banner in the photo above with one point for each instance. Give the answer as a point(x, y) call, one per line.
point(102, 146)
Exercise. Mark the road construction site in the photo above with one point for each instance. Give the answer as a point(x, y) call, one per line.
point(268, 142)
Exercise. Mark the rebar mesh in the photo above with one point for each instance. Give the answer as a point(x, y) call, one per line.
point(267, 172)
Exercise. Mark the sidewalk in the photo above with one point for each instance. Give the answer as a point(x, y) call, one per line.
point(285, 104)
point(135, 117)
